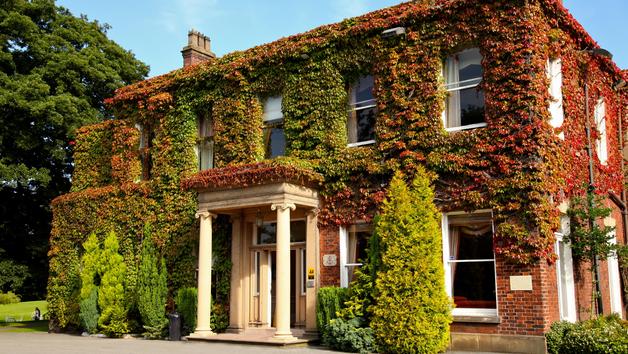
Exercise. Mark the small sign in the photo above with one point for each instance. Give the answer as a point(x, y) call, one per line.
point(310, 274)
point(310, 284)
point(329, 260)
point(521, 282)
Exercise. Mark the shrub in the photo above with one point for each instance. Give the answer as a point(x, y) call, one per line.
point(601, 335)
point(9, 298)
point(348, 336)
point(89, 311)
point(219, 318)
point(186, 306)
point(330, 302)
point(360, 296)
point(412, 311)
point(111, 292)
point(152, 288)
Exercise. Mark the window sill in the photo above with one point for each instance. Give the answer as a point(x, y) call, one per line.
point(493, 319)
point(361, 143)
point(466, 127)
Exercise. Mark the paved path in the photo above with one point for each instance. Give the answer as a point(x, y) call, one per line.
point(49, 343)
point(37, 343)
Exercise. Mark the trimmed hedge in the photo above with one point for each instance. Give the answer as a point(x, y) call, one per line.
point(607, 334)
point(350, 336)
point(330, 302)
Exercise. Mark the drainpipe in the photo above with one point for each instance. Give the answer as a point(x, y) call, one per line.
point(620, 86)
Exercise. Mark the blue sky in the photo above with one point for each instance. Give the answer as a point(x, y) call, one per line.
point(156, 30)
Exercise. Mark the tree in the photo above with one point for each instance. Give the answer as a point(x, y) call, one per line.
point(411, 311)
point(55, 72)
point(111, 299)
point(90, 279)
point(152, 288)
point(12, 275)
point(589, 241)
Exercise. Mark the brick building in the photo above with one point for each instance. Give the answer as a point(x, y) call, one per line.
point(295, 141)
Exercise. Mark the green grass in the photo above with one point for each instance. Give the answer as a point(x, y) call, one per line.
point(22, 311)
point(17, 327)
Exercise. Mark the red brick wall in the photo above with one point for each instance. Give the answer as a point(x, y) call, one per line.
point(329, 244)
point(583, 274)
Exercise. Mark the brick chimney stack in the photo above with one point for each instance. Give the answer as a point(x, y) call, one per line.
point(197, 50)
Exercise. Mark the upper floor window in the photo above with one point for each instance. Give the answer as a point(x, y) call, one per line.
point(362, 109)
point(145, 144)
point(470, 263)
point(205, 145)
point(600, 123)
point(274, 137)
point(555, 75)
point(464, 108)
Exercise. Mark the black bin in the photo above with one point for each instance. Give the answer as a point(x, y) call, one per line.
point(174, 328)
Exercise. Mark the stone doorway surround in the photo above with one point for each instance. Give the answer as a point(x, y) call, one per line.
point(232, 191)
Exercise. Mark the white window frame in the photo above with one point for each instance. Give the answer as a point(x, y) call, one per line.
point(614, 281)
point(450, 66)
point(345, 266)
point(457, 311)
point(205, 144)
point(372, 103)
point(555, 76)
point(564, 275)
point(600, 123)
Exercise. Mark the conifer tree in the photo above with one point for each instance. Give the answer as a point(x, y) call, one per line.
point(90, 265)
point(152, 288)
point(412, 311)
point(111, 292)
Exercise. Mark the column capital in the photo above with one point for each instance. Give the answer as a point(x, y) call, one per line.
point(204, 214)
point(312, 212)
point(282, 206)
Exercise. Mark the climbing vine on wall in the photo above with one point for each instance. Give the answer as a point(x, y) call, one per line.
point(517, 166)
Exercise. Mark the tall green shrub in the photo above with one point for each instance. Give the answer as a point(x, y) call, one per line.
point(111, 292)
point(329, 303)
point(90, 279)
point(89, 311)
point(152, 288)
point(186, 306)
point(412, 311)
point(360, 297)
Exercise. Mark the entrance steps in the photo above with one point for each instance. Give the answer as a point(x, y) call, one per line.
point(257, 336)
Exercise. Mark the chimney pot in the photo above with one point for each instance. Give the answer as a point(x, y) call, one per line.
point(198, 49)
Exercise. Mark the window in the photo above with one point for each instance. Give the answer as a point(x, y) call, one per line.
point(145, 145)
point(267, 233)
point(470, 263)
point(274, 138)
point(464, 108)
point(600, 123)
point(564, 274)
point(555, 75)
point(362, 109)
point(353, 244)
point(205, 143)
point(303, 271)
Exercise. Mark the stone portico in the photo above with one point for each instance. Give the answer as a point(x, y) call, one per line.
point(271, 292)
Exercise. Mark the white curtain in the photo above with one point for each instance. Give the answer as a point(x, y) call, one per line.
point(453, 101)
point(454, 247)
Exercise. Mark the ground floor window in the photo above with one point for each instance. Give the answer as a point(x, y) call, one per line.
point(353, 243)
point(470, 262)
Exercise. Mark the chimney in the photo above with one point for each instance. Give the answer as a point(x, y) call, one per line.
point(197, 50)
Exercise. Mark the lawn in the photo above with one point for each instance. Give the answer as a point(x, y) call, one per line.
point(22, 311)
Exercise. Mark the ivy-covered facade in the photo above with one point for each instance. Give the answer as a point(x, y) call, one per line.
point(488, 96)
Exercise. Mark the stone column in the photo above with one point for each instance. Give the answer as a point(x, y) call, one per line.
point(311, 249)
point(204, 275)
point(282, 292)
point(235, 299)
